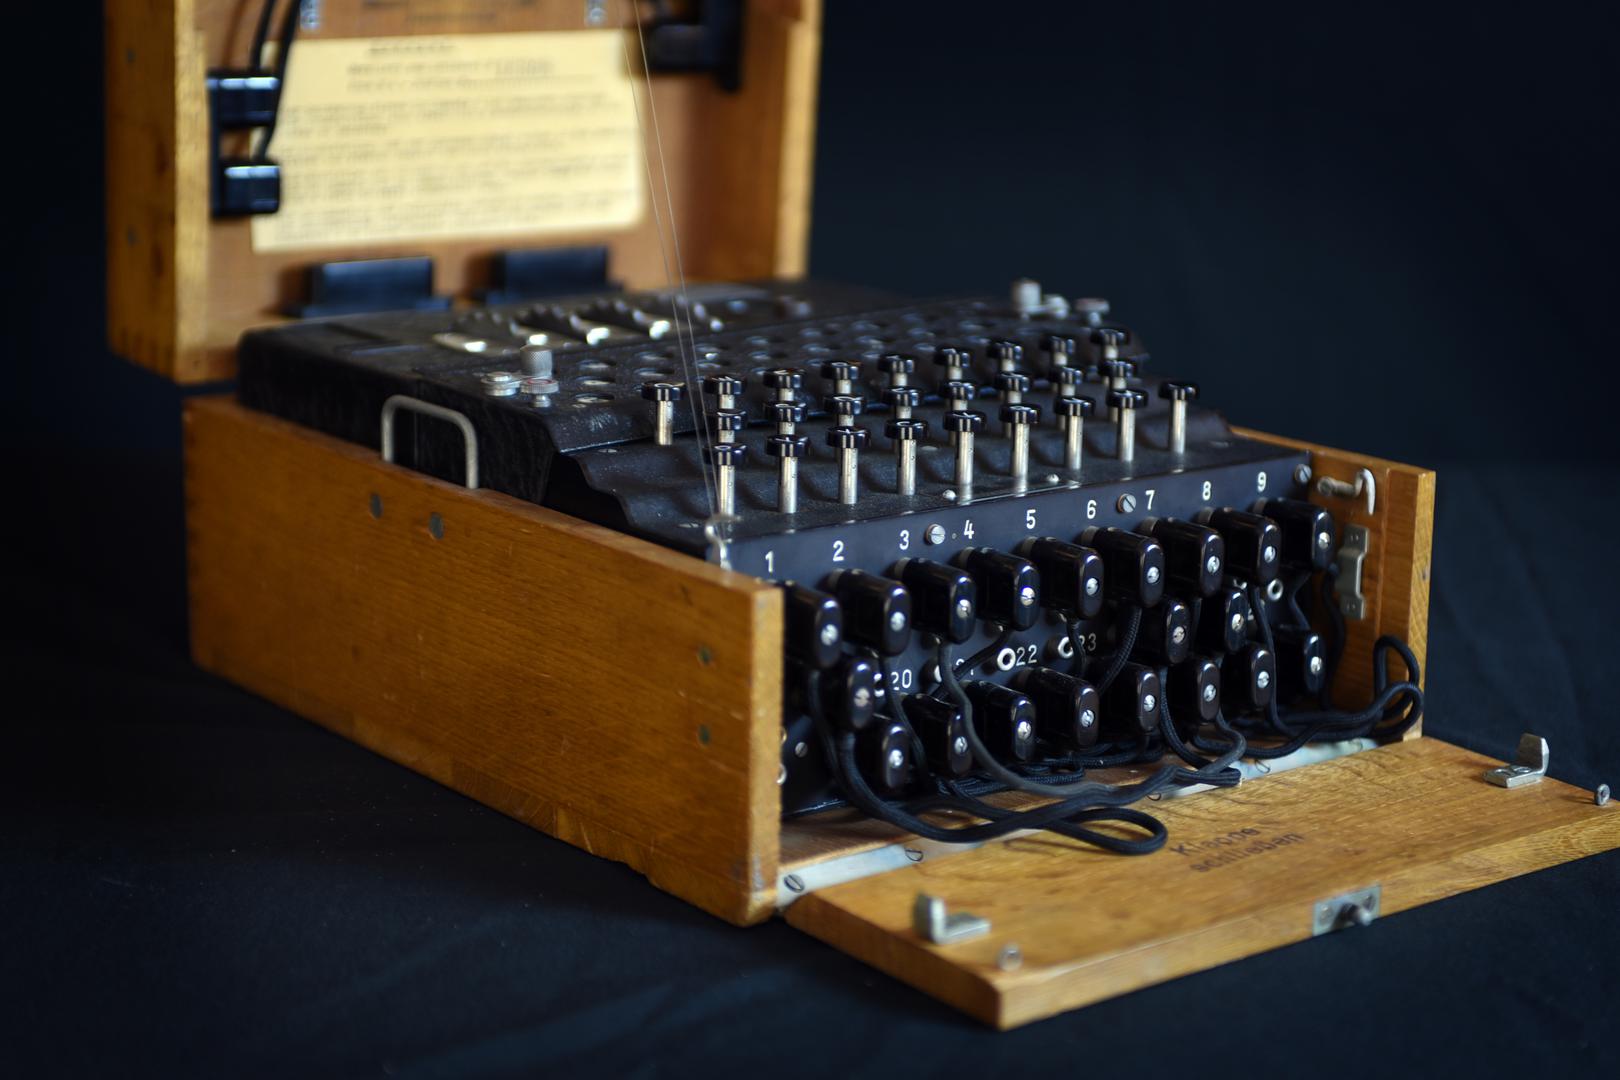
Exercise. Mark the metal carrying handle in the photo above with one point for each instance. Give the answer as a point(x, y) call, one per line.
point(469, 437)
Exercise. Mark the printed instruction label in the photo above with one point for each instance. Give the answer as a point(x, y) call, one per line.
point(388, 140)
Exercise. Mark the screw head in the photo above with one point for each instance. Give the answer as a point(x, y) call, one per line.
point(1178, 635)
point(1024, 731)
point(964, 608)
point(1316, 665)
point(1126, 503)
point(1087, 718)
point(1213, 564)
point(1302, 474)
point(1210, 692)
point(935, 534)
point(897, 621)
point(1262, 679)
point(959, 745)
point(1237, 621)
point(1026, 596)
point(1092, 585)
point(499, 383)
point(1149, 702)
point(1601, 795)
point(1152, 575)
point(862, 698)
point(829, 634)
point(1269, 554)
point(897, 758)
point(1323, 540)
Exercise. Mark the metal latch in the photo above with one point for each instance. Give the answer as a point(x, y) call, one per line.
point(1357, 908)
point(930, 919)
point(1529, 764)
point(1352, 553)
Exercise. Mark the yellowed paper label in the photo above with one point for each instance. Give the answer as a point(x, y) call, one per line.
point(389, 140)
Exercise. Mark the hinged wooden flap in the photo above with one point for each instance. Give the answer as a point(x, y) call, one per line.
point(183, 284)
point(1244, 871)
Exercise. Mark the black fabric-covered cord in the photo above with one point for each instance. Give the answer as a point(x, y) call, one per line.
point(1056, 817)
point(289, 32)
point(261, 32)
point(1122, 653)
point(988, 763)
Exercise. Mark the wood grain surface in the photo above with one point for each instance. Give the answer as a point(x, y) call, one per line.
point(182, 286)
point(1242, 873)
point(610, 692)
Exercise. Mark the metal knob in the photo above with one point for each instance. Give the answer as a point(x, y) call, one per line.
point(1178, 394)
point(1073, 412)
point(1125, 403)
point(663, 395)
point(785, 381)
point(724, 389)
point(786, 415)
point(1090, 310)
point(842, 374)
point(1059, 350)
point(1116, 375)
point(960, 392)
point(898, 367)
point(727, 422)
point(1012, 385)
point(848, 441)
point(954, 361)
point(901, 400)
point(963, 426)
point(1006, 354)
point(1108, 341)
point(906, 434)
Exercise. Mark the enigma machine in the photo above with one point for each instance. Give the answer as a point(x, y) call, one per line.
point(931, 625)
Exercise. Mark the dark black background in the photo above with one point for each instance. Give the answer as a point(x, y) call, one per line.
point(1386, 230)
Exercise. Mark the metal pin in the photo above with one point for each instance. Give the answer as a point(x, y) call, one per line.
point(1017, 418)
point(963, 426)
point(1074, 411)
point(726, 457)
point(1125, 403)
point(905, 434)
point(1178, 394)
point(848, 441)
point(663, 395)
point(787, 450)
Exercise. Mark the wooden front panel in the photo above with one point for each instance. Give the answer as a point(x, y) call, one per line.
point(1242, 873)
point(617, 695)
point(182, 287)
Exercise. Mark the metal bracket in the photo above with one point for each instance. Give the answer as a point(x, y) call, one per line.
point(1352, 553)
point(469, 437)
point(930, 919)
point(1364, 484)
point(1356, 908)
point(1529, 764)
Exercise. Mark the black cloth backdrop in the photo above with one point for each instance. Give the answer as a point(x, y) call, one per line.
point(1391, 231)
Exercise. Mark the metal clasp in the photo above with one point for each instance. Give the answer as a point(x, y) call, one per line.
point(1528, 767)
point(469, 437)
point(930, 919)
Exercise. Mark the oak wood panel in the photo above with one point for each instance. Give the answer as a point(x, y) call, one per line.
point(1414, 818)
point(1395, 573)
point(618, 695)
point(182, 287)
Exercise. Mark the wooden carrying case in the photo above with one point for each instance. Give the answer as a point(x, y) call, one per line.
point(539, 663)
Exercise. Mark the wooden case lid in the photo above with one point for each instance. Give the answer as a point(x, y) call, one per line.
point(183, 285)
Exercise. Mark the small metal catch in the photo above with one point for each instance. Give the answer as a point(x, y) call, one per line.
point(1357, 908)
point(1352, 553)
point(930, 919)
point(1529, 765)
